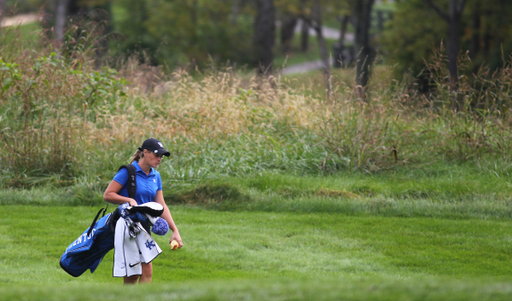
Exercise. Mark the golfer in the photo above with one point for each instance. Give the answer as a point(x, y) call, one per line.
point(149, 189)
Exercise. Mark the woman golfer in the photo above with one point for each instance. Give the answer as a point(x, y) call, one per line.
point(149, 189)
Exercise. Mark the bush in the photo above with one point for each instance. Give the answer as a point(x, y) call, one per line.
point(47, 105)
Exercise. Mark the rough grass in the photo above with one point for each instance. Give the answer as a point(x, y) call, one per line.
point(437, 191)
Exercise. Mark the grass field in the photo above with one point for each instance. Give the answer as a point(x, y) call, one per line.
point(270, 256)
point(279, 193)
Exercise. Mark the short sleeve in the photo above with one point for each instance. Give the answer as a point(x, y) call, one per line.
point(121, 176)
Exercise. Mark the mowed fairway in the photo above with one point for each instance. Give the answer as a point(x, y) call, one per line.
point(268, 256)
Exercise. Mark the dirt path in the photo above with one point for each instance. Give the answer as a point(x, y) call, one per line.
point(328, 33)
point(303, 67)
point(19, 20)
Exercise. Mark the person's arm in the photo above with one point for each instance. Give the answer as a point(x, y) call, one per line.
point(112, 195)
point(159, 198)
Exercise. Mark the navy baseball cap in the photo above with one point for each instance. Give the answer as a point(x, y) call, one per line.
point(155, 146)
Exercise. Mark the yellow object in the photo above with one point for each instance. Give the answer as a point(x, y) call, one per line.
point(174, 245)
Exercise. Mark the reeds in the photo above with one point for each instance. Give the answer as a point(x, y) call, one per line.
point(61, 121)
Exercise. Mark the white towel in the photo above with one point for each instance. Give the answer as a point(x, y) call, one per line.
point(130, 249)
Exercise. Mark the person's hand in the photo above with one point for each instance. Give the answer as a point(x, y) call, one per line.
point(133, 202)
point(176, 236)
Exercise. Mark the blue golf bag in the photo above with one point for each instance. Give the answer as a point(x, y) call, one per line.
point(87, 251)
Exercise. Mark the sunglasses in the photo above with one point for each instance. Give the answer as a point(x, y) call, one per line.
point(156, 155)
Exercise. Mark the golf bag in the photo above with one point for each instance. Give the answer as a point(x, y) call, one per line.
point(87, 251)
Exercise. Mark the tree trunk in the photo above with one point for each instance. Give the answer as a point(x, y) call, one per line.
point(264, 35)
point(475, 33)
point(365, 52)
point(3, 11)
point(304, 36)
point(380, 20)
point(60, 20)
point(287, 32)
point(339, 60)
point(304, 30)
point(317, 26)
point(343, 31)
point(103, 16)
point(234, 12)
point(453, 17)
point(452, 46)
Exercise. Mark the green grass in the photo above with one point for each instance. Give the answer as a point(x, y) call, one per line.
point(329, 255)
point(458, 191)
point(362, 290)
point(23, 36)
point(272, 202)
point(271, 290)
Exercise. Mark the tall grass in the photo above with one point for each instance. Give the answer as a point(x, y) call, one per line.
point(402, 126)
point(66, 122)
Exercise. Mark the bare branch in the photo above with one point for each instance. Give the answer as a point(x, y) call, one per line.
point(311, 22)
point(443, 14)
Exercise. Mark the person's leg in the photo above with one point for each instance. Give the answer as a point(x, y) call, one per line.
point(147, 273)
point(131, 279)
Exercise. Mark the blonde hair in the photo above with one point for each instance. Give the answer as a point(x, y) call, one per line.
point(137, 155)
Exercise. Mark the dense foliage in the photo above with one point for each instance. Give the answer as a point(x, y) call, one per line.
point(63, 120)
point(416, 30)
point(177, 33)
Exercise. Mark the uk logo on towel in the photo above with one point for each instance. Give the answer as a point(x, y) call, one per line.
point(150, 244)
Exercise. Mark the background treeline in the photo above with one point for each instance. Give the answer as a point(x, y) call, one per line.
point(244, 32)
point(483, 31)
point(72, 112)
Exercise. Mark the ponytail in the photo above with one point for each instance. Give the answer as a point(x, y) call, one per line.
point(137, 155)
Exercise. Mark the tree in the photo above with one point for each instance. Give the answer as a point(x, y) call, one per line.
point(304, 30)
point(288, 24)
point(316, 24)
point(81, 12)
point(490, 26)
point(407, 44)
point(3, 10)
point(235, 11)
point(304, 36)
point(453, 18)
point(264, 34)
point(365, 52)
point(61, 14)
point(187, 33)
point(485, 31)
point(135, 37)
point(339, 59)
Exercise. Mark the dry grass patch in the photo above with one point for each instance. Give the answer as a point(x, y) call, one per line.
point(337, 193)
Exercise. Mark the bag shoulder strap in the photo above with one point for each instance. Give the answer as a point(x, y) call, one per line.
point(132, 188)
point(96, 219)
point(132, 175)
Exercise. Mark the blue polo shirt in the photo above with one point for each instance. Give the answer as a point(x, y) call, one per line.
point(147, 185)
